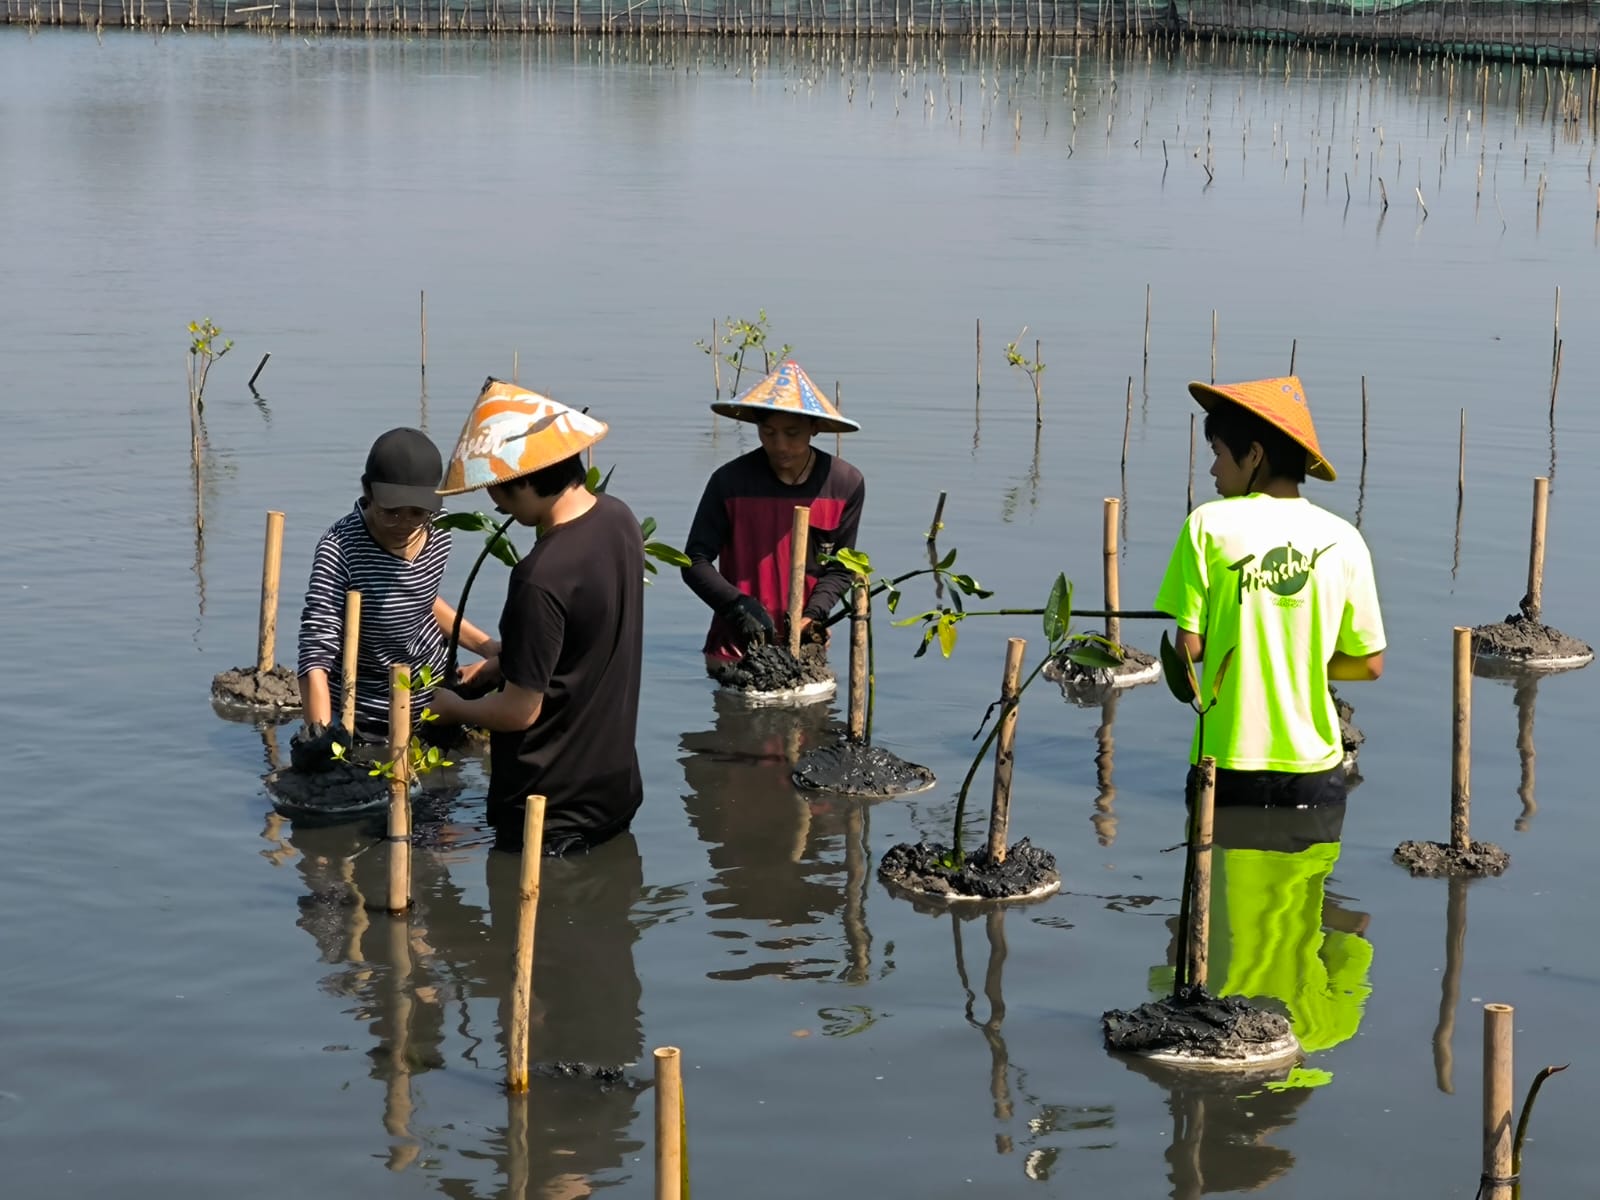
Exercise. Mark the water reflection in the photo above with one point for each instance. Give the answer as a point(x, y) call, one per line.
point(428, 985)
point(1105, 814)
point(1281, 939)
point(777, 853)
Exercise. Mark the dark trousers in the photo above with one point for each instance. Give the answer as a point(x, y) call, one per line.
point(1273, 789)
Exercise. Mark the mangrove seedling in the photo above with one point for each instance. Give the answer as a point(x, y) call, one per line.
point(1033, 368)
point(422, 760)
point(743, 336)
point(1177, 668)
point(206, 346)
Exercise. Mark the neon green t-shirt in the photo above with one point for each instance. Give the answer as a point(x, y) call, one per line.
point(1283, 584)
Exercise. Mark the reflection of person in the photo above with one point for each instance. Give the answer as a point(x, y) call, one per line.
point(388, 550)
point(768, 843)
point(563, 722)
point(746, 516)
point(1284, 587)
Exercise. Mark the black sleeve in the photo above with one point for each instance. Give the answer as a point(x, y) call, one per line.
point(835, 581)
point(707, 536)
point(532, 628)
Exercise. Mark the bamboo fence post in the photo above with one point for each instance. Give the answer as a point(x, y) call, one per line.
point(669, 1123)
point(1461, 458)
point(1190, 501)
point(1461, 743)
point(1147, 324)
point(860, 602)
point(938, 519)
point(1294, 349)
point(1497, 1079)
point(1213, 346)
point(517, 1048)
point(716, 368)
point(422, 308)
point(1197, 953)
point(347, 668)
point(1127, 422)
point(1534, 604)
point(798, 548)
point(1113, 587)
point(977, 389)
point(399, 837)
point(271, 575)
point(1363, 422)
point(1005, 751)
point(1555, 378)
point(838, 438)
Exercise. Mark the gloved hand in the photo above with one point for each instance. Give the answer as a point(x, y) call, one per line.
point(750, 620)
point(311, 749)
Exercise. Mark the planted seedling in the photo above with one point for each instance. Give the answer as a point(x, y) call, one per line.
point(421, 759)
point(1033, 368)
point(206, 346)
point(741, 337)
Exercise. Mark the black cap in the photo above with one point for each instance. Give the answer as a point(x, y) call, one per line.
point(404, 470)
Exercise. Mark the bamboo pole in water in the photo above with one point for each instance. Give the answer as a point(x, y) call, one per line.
point(1113, 588)
point(798, 553)
point(977, 391)
point(1213, 346)
point(1461, 742)
point(422, 311)
point(1533, 603)
point(669, 1123)
point(1461, 458)
point(1555, 379)
point(1005, 751)
point(517, 1042)
point(271, 575)
point(1197, 952)
point(1190, 501)
point(938, 519)
point(347, 668)
point(399, 836)
point(1147, 324)
point(1497, 1179)
point(859, 604)
point(1127, 421)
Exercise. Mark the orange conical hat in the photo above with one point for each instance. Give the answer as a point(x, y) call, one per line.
point(787, 390)
point(512, 432)
point(1280, 403)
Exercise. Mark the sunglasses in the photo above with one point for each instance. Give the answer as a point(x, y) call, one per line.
point(405, 516)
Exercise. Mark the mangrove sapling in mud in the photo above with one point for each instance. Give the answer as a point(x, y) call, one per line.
point(206, 346)
point(741, 337)
point(1021, 871)
point(1033, 368)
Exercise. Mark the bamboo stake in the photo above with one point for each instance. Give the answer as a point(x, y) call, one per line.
point(422, 306)
point(1127, 421)
point(1533, 602)
point(1555, 379)
point(798, 553)
point(1461, 457)
point(1190, 501)
point(1294, 348)
point(1461, 743)
point(669, 1123)
point(399, 788)
point(860, 601)
point(256, 374)
point(518, 1042)
point(1363, 421)
point(716, 368)
point(977, 393)
point(1005, 750)
point(1147, 324)
point(838, 402)
point(1213, 346)
point(271, 574)
point(938, 519)
point(1555, 336)
point(1197, 952)
point(1497, 1077)
point(1113, 590)
point(347, 672)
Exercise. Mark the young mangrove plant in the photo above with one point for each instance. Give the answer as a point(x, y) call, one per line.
point(422, 760)
point(1033, 368)
point(741, 337)
point(206, 346)
point(1178, 670)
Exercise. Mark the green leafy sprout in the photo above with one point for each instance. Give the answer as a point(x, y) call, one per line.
point(206, 346)
point(1033, 368)
point(741, 337)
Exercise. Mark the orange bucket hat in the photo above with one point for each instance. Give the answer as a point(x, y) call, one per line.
point(512, 432)
point(1281, 403)
point(787, 390)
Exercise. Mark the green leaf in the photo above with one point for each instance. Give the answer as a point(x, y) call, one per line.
point(1180, 679)
point(1222, 671)
point(854, 561)
point(606, 482)
point(927, 640)
point(503, 550)
point(338, 750)
point(1058, 610)
point(467, 522)
point(404, 682)
point(947, 561)
point(956, 602)
point(947, 636)
point(969, 586)
point(670, 555)
point(1095, 658)
point(892, 600)
point(922, 616)
point(647, 528)
point(592, 479)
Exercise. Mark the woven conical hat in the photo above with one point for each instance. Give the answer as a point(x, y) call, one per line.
point(1280, 403)
point(787, 390)
point(512, 432)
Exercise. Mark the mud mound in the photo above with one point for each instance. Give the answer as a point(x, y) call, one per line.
point(855, 770)
point(1028, 873)
point(341, 792)
point(276, 690)
point(1520, 639)
point(774, 669)
point(607, 1077)
point(1435, 859)
point(1089, 685)
point(1197, 1025)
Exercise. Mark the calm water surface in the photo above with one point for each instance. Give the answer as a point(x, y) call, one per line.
point(191, 1007)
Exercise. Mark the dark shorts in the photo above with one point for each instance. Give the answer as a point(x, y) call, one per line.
point(1273, 789)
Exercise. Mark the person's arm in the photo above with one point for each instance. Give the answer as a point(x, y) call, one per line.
point(533, 626)
point(1183, 591)
point(836, 578)
point(472, 638)
point(509, 710)
point(1356, 667)
point(707, 536)
point(1192, 644)
point(322, 630)
point(1358, 652)
point(315, 704)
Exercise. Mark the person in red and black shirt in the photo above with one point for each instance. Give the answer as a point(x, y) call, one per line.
point(738, 546)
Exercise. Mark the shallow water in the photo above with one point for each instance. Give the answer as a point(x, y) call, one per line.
point(186, 992)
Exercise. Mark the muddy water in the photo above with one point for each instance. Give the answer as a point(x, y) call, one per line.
point(192, 987)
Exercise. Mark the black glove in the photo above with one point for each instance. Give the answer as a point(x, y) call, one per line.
point(750, 620)
point(311, 750)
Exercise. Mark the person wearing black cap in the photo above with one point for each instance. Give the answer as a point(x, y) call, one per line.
point(388, 550)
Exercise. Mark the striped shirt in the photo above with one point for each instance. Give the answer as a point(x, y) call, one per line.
point(397, 621)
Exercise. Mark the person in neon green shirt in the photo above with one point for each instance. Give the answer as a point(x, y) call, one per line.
point(1284, 586)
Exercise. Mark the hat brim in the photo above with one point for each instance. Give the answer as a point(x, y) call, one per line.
point(402, 495)
point(1208, 397)
point(756, 413)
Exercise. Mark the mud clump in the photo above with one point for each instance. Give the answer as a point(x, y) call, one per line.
point(1349, 736)
point(1028, 872)
point(275, 690)
point(1521, 640)
point(1196, 1024)
point(852, 769)
point(1436, 860)
point(342, 791)
point(774, 669)
point(1089, 685)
